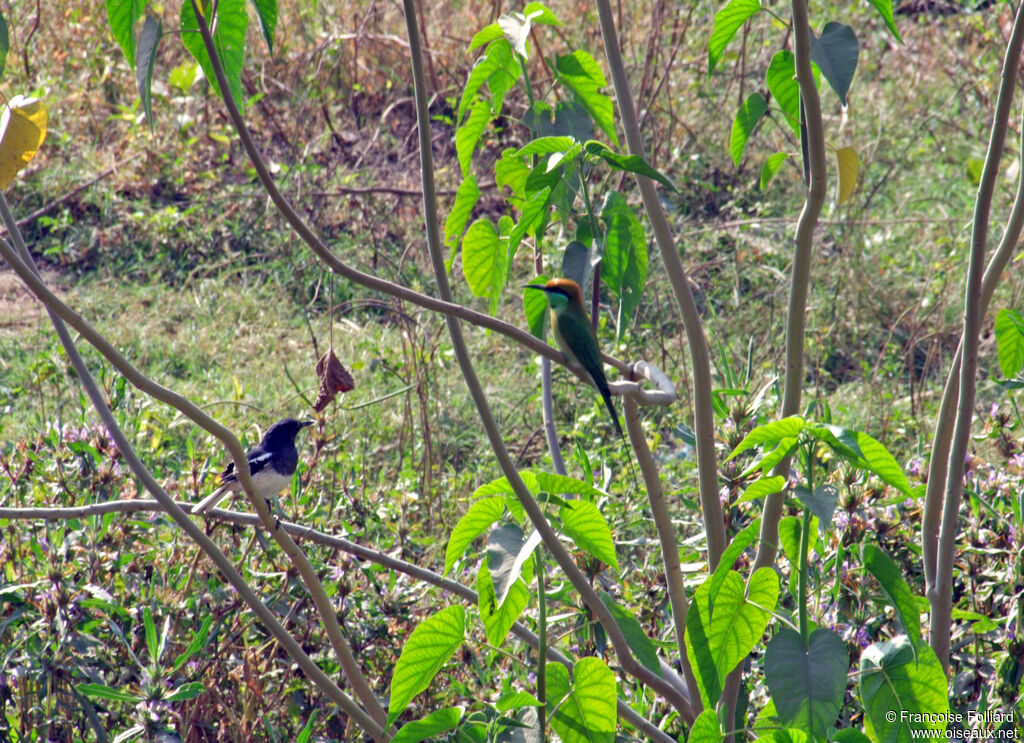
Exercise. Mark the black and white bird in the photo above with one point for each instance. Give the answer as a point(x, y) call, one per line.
point(272, 463)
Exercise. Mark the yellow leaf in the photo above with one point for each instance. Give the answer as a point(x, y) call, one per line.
point(22, 131)
point(848, 165)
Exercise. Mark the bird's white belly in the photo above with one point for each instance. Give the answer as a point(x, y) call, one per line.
point(269, 483)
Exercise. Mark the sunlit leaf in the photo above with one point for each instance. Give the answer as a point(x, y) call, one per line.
point(884, 8)
point(483, 260)
point(902, 692)
point(122, 15)
point(185, 692)
point(1010, 341)
point(743, 125)
point(588, 714)
point(266, 12)
point(485, 35)
point(428, 648)
point(587, 527)
point(470, 131)
point(771, 168)
point(430, 727)
point(728, 21)
point(478, 518)
point(229, 29)
point(846, 157)
point(722, 629)
point(465, 199)
point(581, 74)
point(22, 131)
point(782, 84)
point(625, 262)
point(770, 434)
point(706, 728)
point(762, 487)
point(539, 14)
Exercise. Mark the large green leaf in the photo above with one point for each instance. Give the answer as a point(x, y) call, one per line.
point(428, 648)
point(122, 15)
point(836, 52)
point(430, 727)
point(771, 168)
point(706, 728)
point(790, 528)
point(587, 527)
point(728, 21)
point(1010, 341)
point(782, 84)
point(718, 637)
point(534, 211)
point(884, 8)
point(485, 66)
point(588, 713)
point(762, 487)
point(890, 578)
point(638, 640)
point(555, 484)
point(466, 197)
point(266, 12)
point(229, 29)
point(770, 434)
point(511, 172)
point(807, 686)
point(478, 519)
point(485, 35)
point(505, 74)
point(498, 616)
point(470, 131)
point(546, 145)
point(483, 261)
point(743, 125)
point(867, 454)
point(772, 457)
point(507, 553)
point(732, 553)
point(538, 13)
point(625, 261)
point(901, 694)
point(628, 163)
point(581, 74)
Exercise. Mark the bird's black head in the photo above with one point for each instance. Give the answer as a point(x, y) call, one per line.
point(284, 432)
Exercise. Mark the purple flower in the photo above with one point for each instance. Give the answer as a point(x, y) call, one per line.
point(862, 637)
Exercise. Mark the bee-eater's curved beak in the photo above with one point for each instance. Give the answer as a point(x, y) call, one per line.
point(536, 286)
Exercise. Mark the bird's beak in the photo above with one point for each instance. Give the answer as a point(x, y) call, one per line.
point(303, 424)
point(536, 286)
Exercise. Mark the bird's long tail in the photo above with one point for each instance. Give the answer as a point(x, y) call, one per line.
point(607, 396)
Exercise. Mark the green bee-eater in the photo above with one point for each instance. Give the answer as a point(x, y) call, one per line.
point(575, 335)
